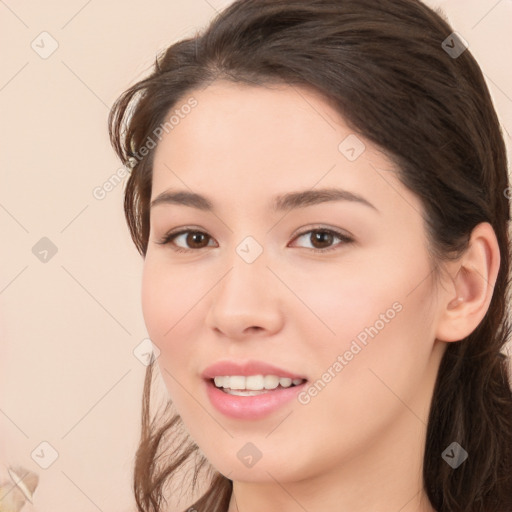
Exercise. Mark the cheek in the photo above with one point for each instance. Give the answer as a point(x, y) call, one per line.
point(379, 357)
point(168, 294)
point(169, 300)
point(376, 318)
point(356, 397)
point(343, 301)
point(165, 303)
point(155, 302)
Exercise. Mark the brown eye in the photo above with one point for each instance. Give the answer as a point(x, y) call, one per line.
point(322, 239)
point(192, 239)
point(195, 239)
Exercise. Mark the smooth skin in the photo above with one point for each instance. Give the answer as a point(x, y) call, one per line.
point(358, 445)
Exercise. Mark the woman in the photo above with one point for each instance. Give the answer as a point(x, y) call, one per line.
point(320, 194)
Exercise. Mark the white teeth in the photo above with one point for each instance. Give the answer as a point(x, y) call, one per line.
point(254, 382)
point(237, 382)
point(285, 382)
point(237, 392)
point(271, 382)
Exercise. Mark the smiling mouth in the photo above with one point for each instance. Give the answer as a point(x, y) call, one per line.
point(253, 385)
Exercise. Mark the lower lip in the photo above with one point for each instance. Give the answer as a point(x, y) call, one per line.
point(250, 407)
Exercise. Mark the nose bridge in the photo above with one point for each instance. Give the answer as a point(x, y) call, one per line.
point(245, 281)
point(243, 298)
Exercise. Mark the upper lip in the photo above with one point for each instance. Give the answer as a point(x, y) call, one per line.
point(231, 368)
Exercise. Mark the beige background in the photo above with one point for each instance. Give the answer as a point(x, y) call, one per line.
point(68, 327)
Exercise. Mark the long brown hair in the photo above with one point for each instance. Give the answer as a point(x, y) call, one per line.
point(384, 66)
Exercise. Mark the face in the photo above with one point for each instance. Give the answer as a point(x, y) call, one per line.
point(332, 291)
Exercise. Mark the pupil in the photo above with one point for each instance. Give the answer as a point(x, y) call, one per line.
point(196, 234)
point(320, 235)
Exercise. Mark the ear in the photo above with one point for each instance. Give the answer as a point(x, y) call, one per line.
point(466, 300)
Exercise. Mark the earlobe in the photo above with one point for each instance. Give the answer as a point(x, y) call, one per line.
point(465, 302)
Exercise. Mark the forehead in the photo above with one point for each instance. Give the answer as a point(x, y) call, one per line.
point(263, 121)
point(241, 142)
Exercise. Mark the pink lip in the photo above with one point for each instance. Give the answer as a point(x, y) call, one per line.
point(231, 368)
point(248, 407)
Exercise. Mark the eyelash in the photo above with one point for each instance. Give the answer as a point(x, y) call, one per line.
point(169, 237)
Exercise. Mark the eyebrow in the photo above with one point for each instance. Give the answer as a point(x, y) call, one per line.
point(282, 202)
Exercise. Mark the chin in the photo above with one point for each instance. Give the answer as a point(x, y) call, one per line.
point(261, 471)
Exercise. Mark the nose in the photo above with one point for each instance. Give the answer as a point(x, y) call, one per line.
point(247, 301)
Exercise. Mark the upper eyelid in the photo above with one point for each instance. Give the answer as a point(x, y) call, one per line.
point(181, 231)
